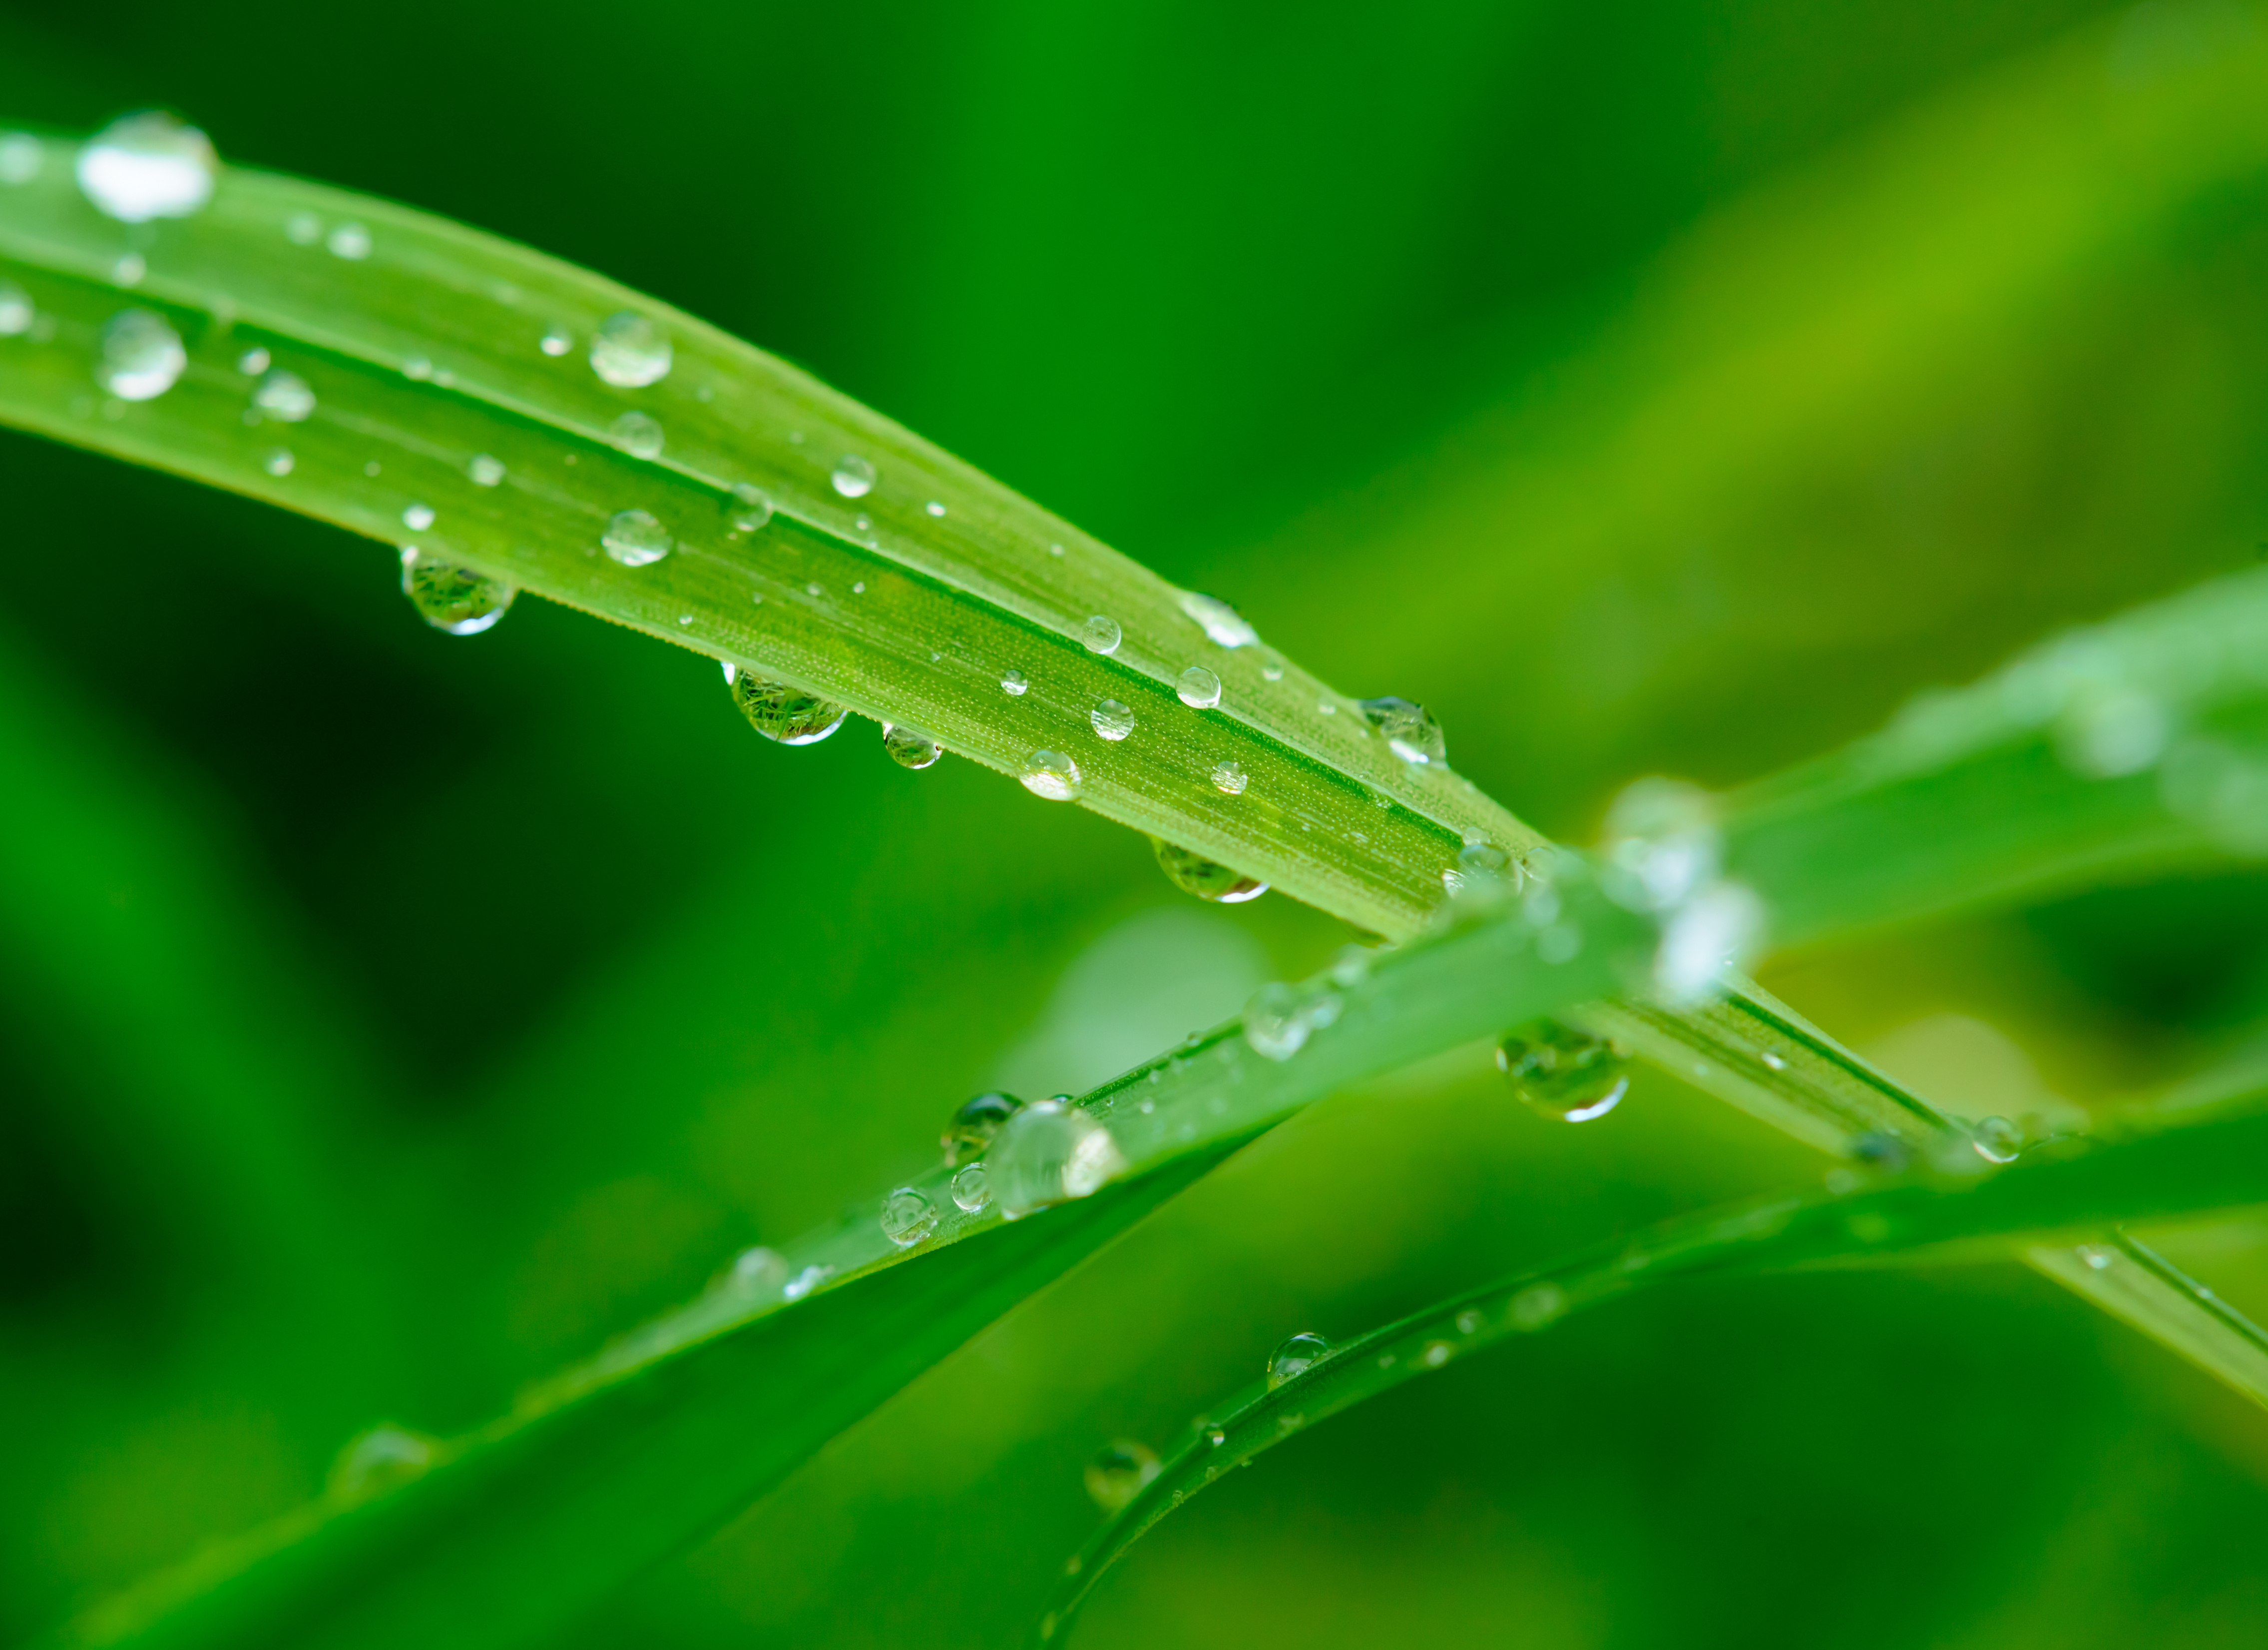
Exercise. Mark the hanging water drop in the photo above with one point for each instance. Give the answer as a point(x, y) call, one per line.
point(972, 1188)
point(908, 1217)
point(1411, 731)
point(750, 507)
point(1193, 873)
point(1295, 1357)
point(975, 1124)
point(1102, 635)
point(21, 157)
point(1562, 1071)
point(277, 461)
point(141, 355)
point(1118, 1471)
point(284, 396)
point(146, 166)
point(853, 476)
point(910, 747)
point(1013, 683)
point(1049, 1153)
point(1228, 778)
point(1051, 774)
point(1199, 688)
point(1997, 1140)
point(1222, 623)
point(635, 539)
point(485, 468)
point(451, 598)
point(637, 434)
point(787, 715)
point(16, 312)
point(1112, 720)
point(630, 351)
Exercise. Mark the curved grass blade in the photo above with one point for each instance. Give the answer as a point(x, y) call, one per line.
point(2069, 1186)
point(458, 409)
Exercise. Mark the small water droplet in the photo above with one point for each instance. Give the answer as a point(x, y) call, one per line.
point(1774, 1060)
point(1295, 1357)
point(453, 598)
point(1562, 1071)
point(1102, 635)
point(814, 588)
point(417, 517)
point(757, 1270)
point(1279, 1019)
point(785, 714)
point(303, 229)
point(1436, 1354)
point(635, 539)
point(2097, 1256)
point(1271, 666)
point(350, 241)
point(277, 461)
point(1113, 720)
point(910, 747)
point(556, 342)
point(284, 396)
point(1118, 1471)
point(908, 1217)
point(417, 368)
point(371, 468)
point(16, 310)
point(750, 507)
point(1996, 1140)
point(1013, 683)
point(1411, 731)
point(1485, 858)
point(252, 362)
point(1199, 688)
point(975, 1124)
point(1325, 707)
point(1054, 550)
point(805, 1281)
point(1468, 1321)
point(1228, 778)
point(1222, 623)
point(379, 1459)
point(21, 157)
point(859, 588)
point(853, 477)
point(1193, 873)
point(485, 468)
point(149, 165)
point(1052, 774)
point(637, 434)
point(129, 270)
point(630, 350)
point(141, 355)
point(934, 507)
point(1538, 1306)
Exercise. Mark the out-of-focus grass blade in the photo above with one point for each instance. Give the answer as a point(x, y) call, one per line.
point(2068, 1188)
point(2129, 1280)
point(889, 577)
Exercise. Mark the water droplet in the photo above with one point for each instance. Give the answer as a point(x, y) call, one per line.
point(485, 468)
point(908, 1217)
point(1222, 623)
point(1539, 1305)
point(757, 1270)
point(1013, 683)
point(975, 1124)
point(2108, 733)
point(1271, 666)
point(1199, 688)
point(417, 517)
point(285, 396)
point(1228, 777)
point(1279, 1019)
point(1295, 1357)
point(1411, 731)
point(129, 270)
point(814, 588)
point(371, 468)
point(1662, 844)
point(277, 461)
point(350, 241)
point(141, 355)
point(805, 1281)
point(1051, 774)
point(637, 434)
point(1468, 1322)
point(303, 229)
point(972, 1188)
point(1436, 1354)
point(1714, 930)
point(1193, 873)
point(2097, 1256)
point(21, 157)
point(750, 507)
point(1324, 707)
point(1773, 1060)
point(1118, 1471)
point(934, 508)
point(787, 715)
point(1049, 1153)
point(16, 310)
point(379, 1460)
point(635, 539)
point(1484, 858)
point(418, 369)
point(910, 747)
point(1054, 550)
point(1562, 1071)
point(453, 598)
point(853, 476)
point(630, 351)
point(556, 342)
point(1102, 635)
point(1112, 720)
point(146, 166)
point(1997, 1140)
point(252, 362)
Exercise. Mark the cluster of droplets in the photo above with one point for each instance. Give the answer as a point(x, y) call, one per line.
point(1563, 1071)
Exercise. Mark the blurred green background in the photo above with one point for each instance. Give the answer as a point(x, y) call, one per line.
point(387, 1019)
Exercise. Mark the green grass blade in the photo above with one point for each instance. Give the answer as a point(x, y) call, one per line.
point(2133, 1282)
point(2073, 1186)
point(907, 602)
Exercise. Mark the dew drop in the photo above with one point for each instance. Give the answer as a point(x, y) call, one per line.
point(141, 355)
point(975, 1124)
point(417, 368)
point(1279, 1020)
point(1468, 1322)
point(146, 166)
point(637, 434)
point(1049, 1153)
point(750, 507)
point(1411, 731)
point(350, 241)
point(417, 517)
point(785, 714)
point(285, 396)
point(16, 310)
point(1436, 1354)
point(278, 462)
point(1222, 623)
point(972, 1188)
point(129, 270)
point(1228, 778)
point(485, 468)
point(635, 539)
point(1538, 1306)
point(1271, 666)
point(1193, 873)
point(557, 342)
point(805, 1281)
point(934, 508)
point(378, 1460)
point(1013, 683)
point(252, 362)
point(2097, 1256)
point(630, 351)
point(21, 157)
point(757, 1270)
point(910, 747)
point(1295, 1357)
point(853, 476)
point(1113, 720)
point(1118, 1471)
point(303, 229)
point(1997, 1140)
point(908, 1217)
point(1199, 688)
point(1052, 774)
point(1562, 1071)
point(1102, 635)
point(453, 598)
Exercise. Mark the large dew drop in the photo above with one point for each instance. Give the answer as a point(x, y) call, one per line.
point(284, 396)
point(1102, 635)
point(141, 355)
point(1222, 623)
point(1193, 873)
point(1997, 1140)
point(783, 713)
point(1118, 1471)
point(1050, 1152)
point(1564, 1072)
point(975, 1125)
point(635, 539)
point(1014, 683)
point(910, 747)
point(146, 166)
point(1411, 731)
point(453, 598)
point(1112, 720)
point(853, 476)
point(1296, 1356)
point(1051, 774)
point(750, 507)
point(1228, 778)
point(908, 1217)
point(1199, 688)
point(630, 351)
point(638, 434)
point(972, 1188)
